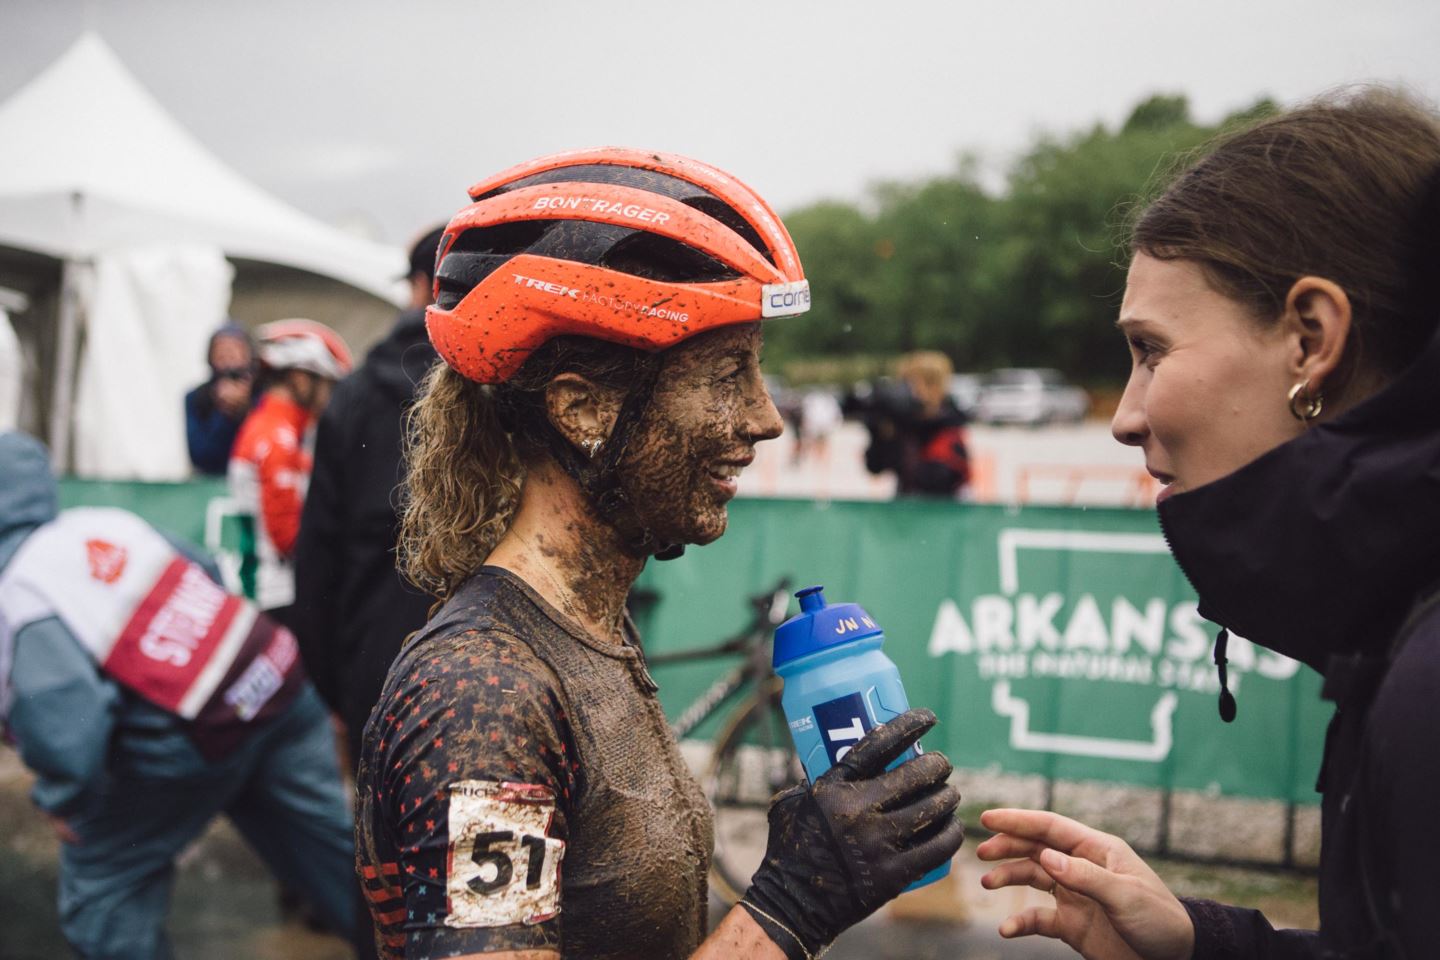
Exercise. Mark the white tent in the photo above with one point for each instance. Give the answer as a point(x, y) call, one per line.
point(92, 165)
point(91, 162)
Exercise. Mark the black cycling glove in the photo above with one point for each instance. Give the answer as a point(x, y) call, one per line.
point(847, 844)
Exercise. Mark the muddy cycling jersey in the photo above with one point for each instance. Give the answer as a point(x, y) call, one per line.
point(520, 789)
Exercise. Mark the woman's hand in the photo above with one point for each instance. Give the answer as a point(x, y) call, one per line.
point(1108, 903)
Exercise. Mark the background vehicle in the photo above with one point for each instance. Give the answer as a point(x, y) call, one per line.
point(1030, 396)
point(964, 389)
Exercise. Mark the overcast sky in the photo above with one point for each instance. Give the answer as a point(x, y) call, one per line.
point(381, 113)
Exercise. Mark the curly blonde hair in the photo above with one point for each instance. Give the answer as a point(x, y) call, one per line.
point(462, 485)
point(467, 447)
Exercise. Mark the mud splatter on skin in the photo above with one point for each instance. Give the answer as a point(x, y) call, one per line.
point(569, 554)
point(709, 410)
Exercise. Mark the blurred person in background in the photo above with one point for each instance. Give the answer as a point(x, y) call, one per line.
point(148, 701)
point(215, 409)
point(915, 428)
point(352, 606)
point(270, 463)
point(1285, 387)
point(820, 416)
point(599, 315)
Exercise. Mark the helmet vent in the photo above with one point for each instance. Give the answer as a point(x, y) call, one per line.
point(608, 173)
point(654, 257)
point(477, 253)
point(713, 206)
point(510, 238)
point(654, 181)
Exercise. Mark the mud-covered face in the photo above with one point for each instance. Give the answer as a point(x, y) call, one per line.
point(709, 409)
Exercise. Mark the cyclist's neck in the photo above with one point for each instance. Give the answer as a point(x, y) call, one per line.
point(571, 557)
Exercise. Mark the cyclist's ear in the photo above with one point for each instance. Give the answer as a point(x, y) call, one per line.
point(580, 409)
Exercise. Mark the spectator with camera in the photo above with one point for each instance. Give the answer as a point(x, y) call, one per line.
point(215, 409)
point(915, 428)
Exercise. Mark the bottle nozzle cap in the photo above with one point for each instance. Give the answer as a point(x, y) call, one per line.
point(811, 599)
point(820, 625)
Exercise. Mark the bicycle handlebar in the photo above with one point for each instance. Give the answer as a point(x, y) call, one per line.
point(769, 609)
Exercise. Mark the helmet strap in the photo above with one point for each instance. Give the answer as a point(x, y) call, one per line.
point(599, 478)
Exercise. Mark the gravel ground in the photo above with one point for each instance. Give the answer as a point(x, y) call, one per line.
point(224, 905)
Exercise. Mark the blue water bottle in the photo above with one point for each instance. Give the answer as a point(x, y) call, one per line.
point(838, 685)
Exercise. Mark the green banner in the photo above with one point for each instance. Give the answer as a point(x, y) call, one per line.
point(177, 508)
point(198, 511)
point(1053, 641)
point(1050, 640)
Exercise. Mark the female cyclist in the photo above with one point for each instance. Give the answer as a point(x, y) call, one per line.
point(1281, 311)
point(520, 792)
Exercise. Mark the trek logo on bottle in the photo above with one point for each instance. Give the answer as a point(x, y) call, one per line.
point(842, 722)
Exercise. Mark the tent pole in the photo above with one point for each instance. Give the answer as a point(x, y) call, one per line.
point(62, 406)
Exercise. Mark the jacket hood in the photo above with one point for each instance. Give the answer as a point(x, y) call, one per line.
point(399, 362)
point(1322, 545)
point(29, 495)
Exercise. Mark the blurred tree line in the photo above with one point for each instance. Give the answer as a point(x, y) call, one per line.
point(1031, 277)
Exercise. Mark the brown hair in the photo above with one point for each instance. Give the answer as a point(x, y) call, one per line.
point(1331, 189)
point(467, 447)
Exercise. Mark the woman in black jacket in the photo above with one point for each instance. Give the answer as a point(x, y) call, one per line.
point(1281, 312)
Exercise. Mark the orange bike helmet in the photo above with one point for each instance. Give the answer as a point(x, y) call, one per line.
point(637, 248)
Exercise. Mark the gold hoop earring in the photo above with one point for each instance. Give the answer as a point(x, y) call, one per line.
point(1305, 406)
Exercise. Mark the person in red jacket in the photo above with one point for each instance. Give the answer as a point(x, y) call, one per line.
point(270, 464)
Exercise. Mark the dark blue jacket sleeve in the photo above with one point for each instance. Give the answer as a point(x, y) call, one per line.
point(1233, 933)
point(209, 434)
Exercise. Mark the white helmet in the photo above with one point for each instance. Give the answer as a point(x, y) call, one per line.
point(303, 345)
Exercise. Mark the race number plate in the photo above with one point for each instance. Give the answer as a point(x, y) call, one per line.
point(503, 869)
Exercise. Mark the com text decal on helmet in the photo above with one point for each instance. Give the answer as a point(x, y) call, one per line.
point(303, 345)
point(638, 248)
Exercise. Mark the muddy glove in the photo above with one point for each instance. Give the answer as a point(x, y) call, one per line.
point(847, 844)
